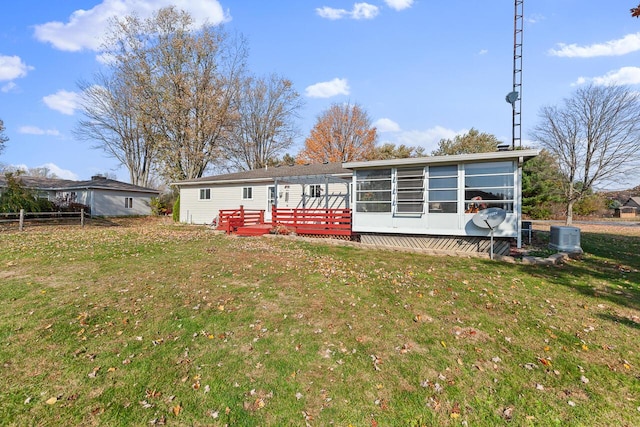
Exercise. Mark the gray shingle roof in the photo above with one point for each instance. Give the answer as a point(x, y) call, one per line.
point(69, 185)
point(271, 173)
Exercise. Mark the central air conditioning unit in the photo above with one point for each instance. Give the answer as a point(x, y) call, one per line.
point(565, 239)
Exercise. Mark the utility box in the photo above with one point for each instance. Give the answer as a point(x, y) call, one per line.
point(565, 239)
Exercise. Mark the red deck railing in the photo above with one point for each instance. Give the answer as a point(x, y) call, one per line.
point(336, 222)
point(230, 219)
point(330, 222)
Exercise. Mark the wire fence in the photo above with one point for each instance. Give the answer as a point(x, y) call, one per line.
point(23, 217)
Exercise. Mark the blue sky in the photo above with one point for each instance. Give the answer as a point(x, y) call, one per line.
point(422, 69)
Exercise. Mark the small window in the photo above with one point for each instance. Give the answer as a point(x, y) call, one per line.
point(205, 194)
point(410, 190)
point(315, 190)
point(128, 202)
point(443, 189)
point(247, 193)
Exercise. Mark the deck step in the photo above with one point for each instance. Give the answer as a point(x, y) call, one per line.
point(254, 230)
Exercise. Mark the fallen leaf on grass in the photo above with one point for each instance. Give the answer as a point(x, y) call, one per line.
point(545, 362)
point(94, 373)
point(376, 362)
point(51, 400)
point(507, 413)
point(176, 410)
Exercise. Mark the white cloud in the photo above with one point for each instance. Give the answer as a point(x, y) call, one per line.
point(483, 52)
point(535, 18)
point(63, 101)
point(85, 29)
point(359, 11)
point(364, 11)
point(8, 87)
point(331, 13)
point(12, 67)
point(623, 76)
point(34, 130)
point(52, 167)
point(59, 172)
point(386, 125)
point(627, 44)
point(328, 89)
point(429, 138)
point(399, 4)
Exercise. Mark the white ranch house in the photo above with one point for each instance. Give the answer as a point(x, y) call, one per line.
point(298, 186)
point(427, 196)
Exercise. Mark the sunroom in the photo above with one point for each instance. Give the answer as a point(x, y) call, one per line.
point(439, 195)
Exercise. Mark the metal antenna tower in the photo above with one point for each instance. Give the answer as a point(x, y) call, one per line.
point(518, 28)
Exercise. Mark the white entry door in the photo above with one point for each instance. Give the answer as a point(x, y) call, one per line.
point(271, 200)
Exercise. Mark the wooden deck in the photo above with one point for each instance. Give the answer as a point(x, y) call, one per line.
point(312, 222)
point(336, 223)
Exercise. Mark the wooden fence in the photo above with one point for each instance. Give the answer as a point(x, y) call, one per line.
point(22, 217)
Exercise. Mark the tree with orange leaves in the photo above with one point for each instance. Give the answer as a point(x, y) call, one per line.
point(635, 12)
point(343, 133)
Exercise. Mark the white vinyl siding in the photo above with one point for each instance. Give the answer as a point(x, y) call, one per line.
point(230, 196)
point(110, 202)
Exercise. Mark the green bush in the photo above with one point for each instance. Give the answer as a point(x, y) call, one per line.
point(16, 196)
point(176, 210)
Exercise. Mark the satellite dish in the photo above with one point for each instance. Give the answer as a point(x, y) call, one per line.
point(489, 218)
point(512, 97)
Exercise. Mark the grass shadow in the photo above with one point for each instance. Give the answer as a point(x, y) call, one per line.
point(620, 320)
point(609, 270)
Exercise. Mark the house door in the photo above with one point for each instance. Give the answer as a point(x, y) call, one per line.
point(271, 201)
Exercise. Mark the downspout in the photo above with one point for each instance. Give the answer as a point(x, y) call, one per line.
point(304, 197)
point(326, 192)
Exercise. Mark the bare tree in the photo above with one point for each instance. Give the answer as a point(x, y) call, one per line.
point(595, 137)
point(113, 120)
point(3, 137)
point(183, 83)
point(267, 109)
point(343, 133)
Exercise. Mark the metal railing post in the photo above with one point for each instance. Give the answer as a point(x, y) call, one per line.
point(21, 226)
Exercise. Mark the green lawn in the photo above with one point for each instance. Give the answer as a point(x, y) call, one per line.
point(148, 323)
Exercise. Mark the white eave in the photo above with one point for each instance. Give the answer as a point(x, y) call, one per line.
point(213, 181)
point(459, 158)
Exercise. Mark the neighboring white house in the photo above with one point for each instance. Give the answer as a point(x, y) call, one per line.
point(439, 195)
point(103, 196)
point(299, 186)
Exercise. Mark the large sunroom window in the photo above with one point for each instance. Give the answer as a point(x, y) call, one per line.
point(443, 189)
point(489, 185)
point(373, 190)
point(410, 190)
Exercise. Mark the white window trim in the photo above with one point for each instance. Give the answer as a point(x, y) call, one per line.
point(243, 193)
point(205, 190)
